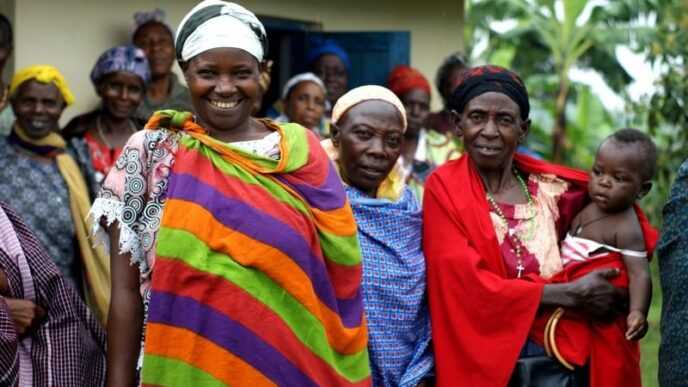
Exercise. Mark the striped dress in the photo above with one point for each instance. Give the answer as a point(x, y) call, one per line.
point(257, 270)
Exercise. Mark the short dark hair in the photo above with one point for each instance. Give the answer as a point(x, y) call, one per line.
point(6, 35)
point(630, 136)
point(451, 63)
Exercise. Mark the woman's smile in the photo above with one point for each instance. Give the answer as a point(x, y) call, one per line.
point(225, 105)
point(488, 150)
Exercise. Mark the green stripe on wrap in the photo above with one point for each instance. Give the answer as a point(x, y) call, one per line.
point(184, 246)
point(165, 371)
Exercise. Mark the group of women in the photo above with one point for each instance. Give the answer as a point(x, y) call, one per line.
point(246, 251)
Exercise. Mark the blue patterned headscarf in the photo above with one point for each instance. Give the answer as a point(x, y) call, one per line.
point(127, 58)
point(329, 46)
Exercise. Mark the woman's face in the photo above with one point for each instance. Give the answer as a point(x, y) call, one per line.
point(157, 42)
point(38, 107)
point(305, 104)
point(369, 138)
point(417, 104)
point(333, 72)
point(223, 83)
point(121, 93)
point(491, 127)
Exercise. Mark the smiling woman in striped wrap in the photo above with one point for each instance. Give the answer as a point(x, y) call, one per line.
point(245, 246)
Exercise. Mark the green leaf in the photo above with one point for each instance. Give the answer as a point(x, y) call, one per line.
point(503, 57)
point(572, 9)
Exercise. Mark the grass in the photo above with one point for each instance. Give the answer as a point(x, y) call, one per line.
point(649, 346)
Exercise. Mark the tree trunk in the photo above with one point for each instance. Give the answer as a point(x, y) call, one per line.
point(559, 132)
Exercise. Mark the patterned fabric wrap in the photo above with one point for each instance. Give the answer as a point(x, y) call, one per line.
point(394, 292)
point(127, 58)
point(278, 239)
point(672, 253)
point(534, 227)
point(488, 78)
point(68, 347)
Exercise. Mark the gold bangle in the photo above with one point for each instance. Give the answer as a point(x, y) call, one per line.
point(545, 337)
point(553, 343)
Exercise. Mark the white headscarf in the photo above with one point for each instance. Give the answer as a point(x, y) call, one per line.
point(215, 24)
point(298, 78)
point(367, 93)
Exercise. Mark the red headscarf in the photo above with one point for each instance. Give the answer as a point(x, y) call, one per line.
point(404, 78)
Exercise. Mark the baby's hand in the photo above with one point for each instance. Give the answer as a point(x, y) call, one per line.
point(637, 325)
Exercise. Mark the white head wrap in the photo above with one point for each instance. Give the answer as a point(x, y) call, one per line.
point(216, 23)
point(298, 78)
point(367, 93)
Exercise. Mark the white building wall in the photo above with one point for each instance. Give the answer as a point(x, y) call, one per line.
point(70, 34)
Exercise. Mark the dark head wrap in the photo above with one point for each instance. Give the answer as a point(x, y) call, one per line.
point(483, 79)
point(321, 47)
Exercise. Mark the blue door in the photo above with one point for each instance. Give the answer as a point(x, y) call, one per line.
point(373, 54)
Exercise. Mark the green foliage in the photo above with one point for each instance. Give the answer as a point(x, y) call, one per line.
point(547, 38)
point(665, 112)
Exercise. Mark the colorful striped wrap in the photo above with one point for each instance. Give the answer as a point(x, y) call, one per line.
point(258, 268)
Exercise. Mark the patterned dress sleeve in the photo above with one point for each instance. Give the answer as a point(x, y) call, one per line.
point(133, 196)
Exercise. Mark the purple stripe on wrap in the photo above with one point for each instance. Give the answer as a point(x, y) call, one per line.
point(259, 225)
point(329, 196)
point(185, 312)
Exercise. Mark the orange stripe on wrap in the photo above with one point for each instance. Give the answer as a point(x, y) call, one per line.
point(204, 355)
point(336, 222)
point(279, 267)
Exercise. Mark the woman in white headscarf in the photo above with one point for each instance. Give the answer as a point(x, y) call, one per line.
point(304, 100)
point(247, 262)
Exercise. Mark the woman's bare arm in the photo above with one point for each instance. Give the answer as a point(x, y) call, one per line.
point(125, 319)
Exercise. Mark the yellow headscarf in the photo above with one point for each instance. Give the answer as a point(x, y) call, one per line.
point(43, 74)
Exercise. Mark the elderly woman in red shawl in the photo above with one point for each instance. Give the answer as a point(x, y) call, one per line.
point(503, 309)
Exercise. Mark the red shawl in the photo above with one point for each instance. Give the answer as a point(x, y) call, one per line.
point(481, 319)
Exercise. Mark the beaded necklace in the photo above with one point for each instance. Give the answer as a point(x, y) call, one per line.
point(515, 240)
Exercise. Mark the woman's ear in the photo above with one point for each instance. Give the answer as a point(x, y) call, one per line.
point(525, 128)
point(335, 134)
point(456, 122)
point(100, 88)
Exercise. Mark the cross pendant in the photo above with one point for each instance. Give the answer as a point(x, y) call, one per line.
point(519, 269)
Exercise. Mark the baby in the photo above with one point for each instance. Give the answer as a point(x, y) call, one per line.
point(624, 166)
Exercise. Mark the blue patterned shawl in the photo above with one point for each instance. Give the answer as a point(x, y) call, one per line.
point(394, 291)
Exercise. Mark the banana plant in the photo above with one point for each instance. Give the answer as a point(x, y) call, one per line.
point(549, 38)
